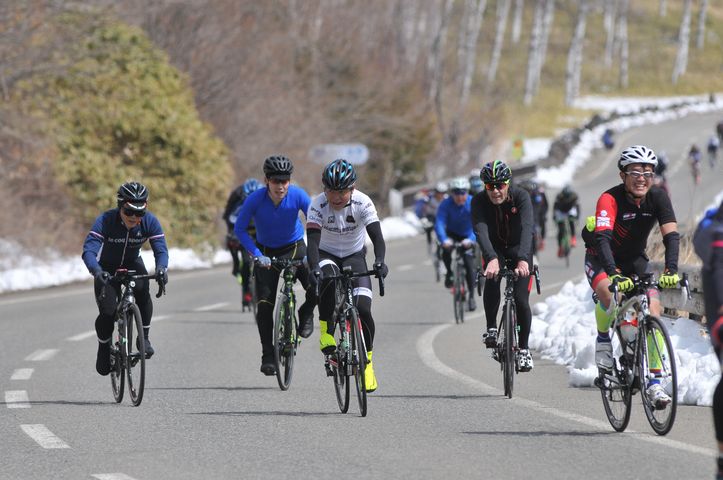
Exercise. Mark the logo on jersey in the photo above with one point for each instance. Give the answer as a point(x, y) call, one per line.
point(330, 219)
point(602, 222)
point(629, 216)
point(350, 219)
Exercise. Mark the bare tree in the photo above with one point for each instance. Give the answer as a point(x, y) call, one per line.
point(681, 59)
point(574, 56)
point(662, 8)
point(503, 10)
point(609, 8)
point(517, 21)
point(544, 13)
point(474, 11)
point(700, 38)
point(437, 55)
point(622, 41)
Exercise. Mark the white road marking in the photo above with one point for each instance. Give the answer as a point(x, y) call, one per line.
point(81, 336)
point(404, 268)
point(22, 374)
point(112, 476)
point(425, 349)
point(17, 399)
point(210, 307)
point(41, 355)
point(159, 318)
point(43, 437)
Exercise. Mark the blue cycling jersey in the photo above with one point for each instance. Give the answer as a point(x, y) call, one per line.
point(110, 245)
point(453, 218)
point(276, 226)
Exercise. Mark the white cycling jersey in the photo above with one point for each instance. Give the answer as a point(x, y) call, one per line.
point(343, 232)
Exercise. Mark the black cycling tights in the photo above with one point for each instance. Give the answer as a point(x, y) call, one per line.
point(491, 297)
point(107, 305)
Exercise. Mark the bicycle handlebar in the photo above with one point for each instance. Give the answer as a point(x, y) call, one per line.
point(348, 274)
point(123, 275)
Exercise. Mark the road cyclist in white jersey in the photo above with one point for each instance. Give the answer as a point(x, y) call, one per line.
point(337, 223)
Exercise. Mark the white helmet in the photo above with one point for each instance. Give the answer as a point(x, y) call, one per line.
point(637, 154)
point(459, 183)
point(441, 187)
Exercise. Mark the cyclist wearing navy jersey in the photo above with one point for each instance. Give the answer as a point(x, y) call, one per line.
point(241, 267)
point(624, 216)
point(337, 224)
point(275, 209)
point(503, 221)
point(114, 242)
point(454, 224)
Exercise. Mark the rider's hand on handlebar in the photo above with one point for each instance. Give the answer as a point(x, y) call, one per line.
point(625, 284)
point(263, 261)
point(493, 268)
point(523, 269)
point(315, 276)
point(162, 276)
point(382, 268)
point(102, 277)
point(668, 280)
point(467, 243)
point(447, 244)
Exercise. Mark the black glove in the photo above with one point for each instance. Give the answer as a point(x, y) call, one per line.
point(102, 277)
point(162, 276)
point(382, 268)
point(315, 276)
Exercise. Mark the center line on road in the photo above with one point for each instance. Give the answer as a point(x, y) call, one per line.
point(112, 476)
point(43, 437)
point(210, 307)
point(404, 268)
point(17, 399)
point(41, 355)
point(425, 349)
point(22, 374)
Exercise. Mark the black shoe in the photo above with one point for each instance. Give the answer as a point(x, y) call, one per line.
point(102, 361)
point(306, 320)
point(448, 282)
point(472, 304)
point(149, 347)
point(490, 338)
point(268, 367)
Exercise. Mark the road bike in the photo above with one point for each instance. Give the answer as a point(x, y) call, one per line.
point(459, 288)
point(128, 350)
point(286, 335)
point(349, 359)
point(507, 349)
point(637, 364)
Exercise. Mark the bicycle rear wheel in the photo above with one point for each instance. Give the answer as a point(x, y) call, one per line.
point(136, 354)
point(508, 353)
point(458, 296)
point(285, 339)
point(616, 391)
point(117, 372)
point(657, 363)
point(339, 366)
point(359, 359)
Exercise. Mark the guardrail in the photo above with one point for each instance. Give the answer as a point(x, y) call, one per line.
point(675, 301)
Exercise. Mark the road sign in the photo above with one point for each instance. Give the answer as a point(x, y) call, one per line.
point(354, 153)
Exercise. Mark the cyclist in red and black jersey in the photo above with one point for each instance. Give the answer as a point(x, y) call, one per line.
point(615, 244)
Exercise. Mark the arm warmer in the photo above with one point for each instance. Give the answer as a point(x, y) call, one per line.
point(605, 252)
point(375, 234)
point(313, 237)
point(672, 247)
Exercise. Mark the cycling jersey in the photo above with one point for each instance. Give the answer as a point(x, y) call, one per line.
point(276, 226)
point(567, 204)
point(453, 218)
point(622, 227)
point(343, 231)
point(110, 245)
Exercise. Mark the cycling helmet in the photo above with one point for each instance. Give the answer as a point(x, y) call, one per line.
point(459, 183)
point(496, 172)
point(637, 154)
point(529, 185)
point(250, 186)
point(278, 166)
point(338, 175)
point(475, 184)
point(567, 191)
point(134, 194)
point(441, 187)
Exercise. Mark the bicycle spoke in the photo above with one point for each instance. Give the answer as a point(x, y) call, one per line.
point(136, 357)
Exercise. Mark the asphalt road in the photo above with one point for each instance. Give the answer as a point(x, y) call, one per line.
point(439, 410)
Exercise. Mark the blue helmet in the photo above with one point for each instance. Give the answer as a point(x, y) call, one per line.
point(250, 186)
point(338, 175)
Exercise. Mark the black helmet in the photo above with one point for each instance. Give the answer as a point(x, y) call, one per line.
point(338, 175)
point(529, 185)
point(278, 166)
point(133, 193)
point(496, 172)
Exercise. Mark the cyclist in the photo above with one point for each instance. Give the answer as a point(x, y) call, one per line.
point(502, 219)
point(241, 267)
point(624, 216)
point(566, 209)
point(607, 139)
point(426, 209)
point(713, 144)
point(454, 224)
point(274, 210)
point(539, 212)
point(338, 221)
point(114, 242)
point(694, 160)
point(660, 180)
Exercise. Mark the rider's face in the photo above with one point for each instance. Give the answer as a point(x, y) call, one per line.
point(638, 178)
point(277, 188)
point(338, 199)
point(497, 192)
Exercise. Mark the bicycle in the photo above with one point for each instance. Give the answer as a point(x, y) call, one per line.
point(507, 348)
point(636, 364)
point(350, 356)
point(459, 289)
point(125, 361)
point(286, 337)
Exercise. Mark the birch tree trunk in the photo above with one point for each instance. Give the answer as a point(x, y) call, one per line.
point(503, 10)
point(475, 9)
point(623, 42)
point(681, 59)
point(609, 7)
point(517, 21)
point(700, 38)
point(663, 8)
point(533, 54)
point(574, 56)
point(438, 70)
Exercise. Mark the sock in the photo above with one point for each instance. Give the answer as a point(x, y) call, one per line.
point(601, 318)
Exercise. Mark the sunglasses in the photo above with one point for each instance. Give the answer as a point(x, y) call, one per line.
point(645, 175)
point(459, 192)
point(134, 213)
point(495, 186)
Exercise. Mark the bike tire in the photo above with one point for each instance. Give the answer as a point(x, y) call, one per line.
point(254, 296)
point(340, 367)
point(458, 296)
point(359, 360)
point(436, 265)
point(285, 339)
point(508, 353)
point(136, 355)
point(117, 373)
point(616, 392)
point(657, 338)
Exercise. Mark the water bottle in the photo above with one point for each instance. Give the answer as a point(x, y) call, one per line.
point(629, 326)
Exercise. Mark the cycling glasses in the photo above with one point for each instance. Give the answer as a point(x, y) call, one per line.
point(637, 175)
point(495, 186)
point(459, 191)
point(134, 213)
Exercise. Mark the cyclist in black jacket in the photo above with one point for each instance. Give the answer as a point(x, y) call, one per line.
point(503, 223)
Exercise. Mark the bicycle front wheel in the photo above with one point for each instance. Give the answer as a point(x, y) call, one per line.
point(339, 366)
point(117, 372)
point(657, 364)
point(359, 359)
point(508, 353)
point(136, 354)
point(459, 294)
point(285, 339)
point(616, 390)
